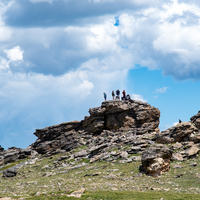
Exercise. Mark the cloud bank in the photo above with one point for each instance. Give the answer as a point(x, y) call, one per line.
point(58, 55)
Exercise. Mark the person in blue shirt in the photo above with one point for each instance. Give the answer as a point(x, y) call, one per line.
point(105, 96)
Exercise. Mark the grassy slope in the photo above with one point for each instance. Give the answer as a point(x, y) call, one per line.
point(115, 181)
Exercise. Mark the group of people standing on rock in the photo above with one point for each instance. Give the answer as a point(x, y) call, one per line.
point(123, 97)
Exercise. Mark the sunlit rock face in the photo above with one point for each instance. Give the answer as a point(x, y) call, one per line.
point(115, 116)
point(156, 160)
point(121, 115)
point(196, 120)
point(184, 131)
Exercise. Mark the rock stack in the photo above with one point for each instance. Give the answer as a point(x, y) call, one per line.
point(112, 118)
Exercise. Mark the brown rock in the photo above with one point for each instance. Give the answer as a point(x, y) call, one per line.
point(156, 160)
point(192, 150)
point(196, 120)
point(76, 194)
point(178, 133)
point(177, 156)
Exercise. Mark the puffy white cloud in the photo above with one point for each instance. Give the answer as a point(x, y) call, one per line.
point(14, 54)
point(56, 63)
point(138, 97)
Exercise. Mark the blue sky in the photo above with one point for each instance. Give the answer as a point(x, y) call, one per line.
point(57, 57)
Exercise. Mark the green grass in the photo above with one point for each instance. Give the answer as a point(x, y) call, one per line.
point(112, 181)
point(125, 195)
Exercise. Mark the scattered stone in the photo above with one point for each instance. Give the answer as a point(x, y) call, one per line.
point(156, 189)
point(192, 150)
point(48, 174)
point(9, 172)
point(138, 175)
point(177, 167)
point(76, 194)
point(178, 176)
point(94, 174)
point(136, 158)
point(176, 146)
point(177, 156)
point(110, 176)
point(124, 154)
point(193, 164)
point(63, 157)
point(82, 153)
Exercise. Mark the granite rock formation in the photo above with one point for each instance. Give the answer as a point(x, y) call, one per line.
point(116, 116)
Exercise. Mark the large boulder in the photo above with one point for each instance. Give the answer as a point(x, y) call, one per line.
point(122, 115)
point(156, 160)
point(180, 133)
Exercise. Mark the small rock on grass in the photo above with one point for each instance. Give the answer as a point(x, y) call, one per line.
point(94, 174)
point(193, 164)
point(77, 193)
point(177, 167)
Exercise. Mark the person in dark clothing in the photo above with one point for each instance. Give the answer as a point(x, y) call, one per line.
point(113, 94)
point(124, 94)
point(117, 94)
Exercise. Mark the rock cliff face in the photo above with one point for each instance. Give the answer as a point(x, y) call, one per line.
point(116, 116)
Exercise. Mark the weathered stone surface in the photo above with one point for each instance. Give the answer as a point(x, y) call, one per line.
point(109, 120)
point(52, 132)
point(196, 120)
point(193, 150)
point(10, 172)
point(178, 133)
point(176, 146)
point(66, 141)
point(76, 194)
point(177, 156)
point(115, 114)
point(156, 160)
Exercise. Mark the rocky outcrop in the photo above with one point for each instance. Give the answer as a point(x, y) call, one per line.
point(13, 154)
point(122, 115)
point(196, 120)
point(156, 160)
point(117, 131)
point(184, 131)
point(115, 116)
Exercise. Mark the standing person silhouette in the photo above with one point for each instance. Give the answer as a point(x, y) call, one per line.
point(124, 95)
point(105, 95)
point(117, 94)
point(113, 94)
